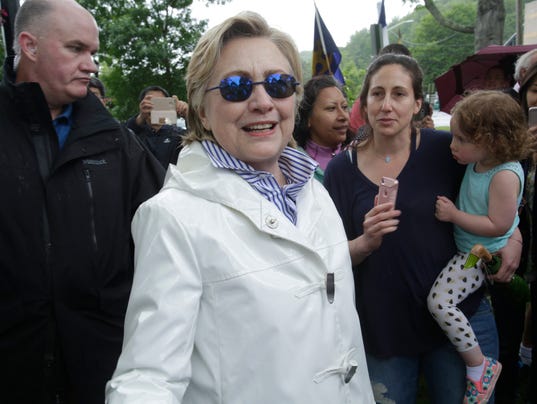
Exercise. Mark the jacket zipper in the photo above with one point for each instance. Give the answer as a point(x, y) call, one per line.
point(89, 188)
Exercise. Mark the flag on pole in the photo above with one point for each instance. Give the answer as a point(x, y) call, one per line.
point(383, 25)
point(326, 55)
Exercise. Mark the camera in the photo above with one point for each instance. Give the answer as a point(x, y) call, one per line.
point(424, 111)
point(532, 114)
point(163, 112)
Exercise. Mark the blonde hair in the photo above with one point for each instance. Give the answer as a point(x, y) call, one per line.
point(246, 24)
point(494, 120)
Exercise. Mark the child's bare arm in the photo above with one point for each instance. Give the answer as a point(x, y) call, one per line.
point(503, 192)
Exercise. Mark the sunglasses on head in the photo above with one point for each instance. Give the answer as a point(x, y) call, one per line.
point(239, 88)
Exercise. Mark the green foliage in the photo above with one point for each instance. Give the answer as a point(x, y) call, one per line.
point(143, 43)
point(437, 48)
point(510, 18)
point(353, 80)
point(148, 42)
point(306, 58)
point(359, 49)
point(356, 56)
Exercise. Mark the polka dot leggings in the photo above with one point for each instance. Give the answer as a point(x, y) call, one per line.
point(451, 287)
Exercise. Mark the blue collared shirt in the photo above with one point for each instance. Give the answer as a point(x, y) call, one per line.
point(63, 123)
point(295, 165)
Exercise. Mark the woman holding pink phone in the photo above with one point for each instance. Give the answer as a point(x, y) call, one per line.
point(398, 252)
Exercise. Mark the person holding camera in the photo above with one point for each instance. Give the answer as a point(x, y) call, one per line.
point(163, 139)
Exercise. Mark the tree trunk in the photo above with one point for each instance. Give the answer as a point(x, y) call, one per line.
point(489, 23)
point(488, 29)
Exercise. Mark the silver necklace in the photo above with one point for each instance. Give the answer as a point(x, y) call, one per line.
point(387, 158)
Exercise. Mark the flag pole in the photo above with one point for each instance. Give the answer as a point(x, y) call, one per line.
point(321, 36)
point(383, 23)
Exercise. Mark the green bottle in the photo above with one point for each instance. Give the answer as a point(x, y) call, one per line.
point(517, 288)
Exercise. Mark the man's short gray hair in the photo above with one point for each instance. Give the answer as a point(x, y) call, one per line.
point(30, 18)
point(524, 62)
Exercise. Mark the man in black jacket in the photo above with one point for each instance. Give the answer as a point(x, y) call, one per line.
point(71, 179)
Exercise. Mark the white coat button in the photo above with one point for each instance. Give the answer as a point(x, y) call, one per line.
point(271, 222)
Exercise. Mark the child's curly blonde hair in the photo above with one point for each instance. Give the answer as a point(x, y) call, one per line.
point(494, 120)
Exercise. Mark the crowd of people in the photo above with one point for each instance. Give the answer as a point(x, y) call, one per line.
point(250, 258)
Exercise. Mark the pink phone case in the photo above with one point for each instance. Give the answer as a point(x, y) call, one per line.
point(388, 190)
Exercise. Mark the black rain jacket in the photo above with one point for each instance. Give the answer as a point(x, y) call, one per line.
point(66, 253)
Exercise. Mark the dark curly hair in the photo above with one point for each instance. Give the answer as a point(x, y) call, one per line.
point(494, 120)
point(311, 91)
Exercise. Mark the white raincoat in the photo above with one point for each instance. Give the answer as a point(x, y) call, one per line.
point(230, 303)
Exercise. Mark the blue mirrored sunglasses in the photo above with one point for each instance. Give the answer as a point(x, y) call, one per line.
point(239, 88)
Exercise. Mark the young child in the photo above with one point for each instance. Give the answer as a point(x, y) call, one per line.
point(489, 135)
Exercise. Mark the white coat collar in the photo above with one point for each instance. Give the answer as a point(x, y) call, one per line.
point(195, 174)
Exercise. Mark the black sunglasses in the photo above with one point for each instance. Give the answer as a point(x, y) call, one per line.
point(239, 88)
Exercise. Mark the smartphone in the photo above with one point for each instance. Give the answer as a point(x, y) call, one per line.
point(387, 190)
point(532, 116)
point(163, 112)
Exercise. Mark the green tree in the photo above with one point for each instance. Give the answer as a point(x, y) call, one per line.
point(359, 49)
point(354, 77)
point(436, 47)
point(144, 43)
point(356, 56)
point(489, 26)
point(305, 57)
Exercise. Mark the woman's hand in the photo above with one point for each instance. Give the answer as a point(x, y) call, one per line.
point(379, 221)
point(510, 254)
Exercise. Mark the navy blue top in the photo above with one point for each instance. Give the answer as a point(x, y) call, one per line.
point(392, 284)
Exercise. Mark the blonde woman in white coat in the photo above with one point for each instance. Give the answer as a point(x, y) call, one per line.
point(243, 291)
